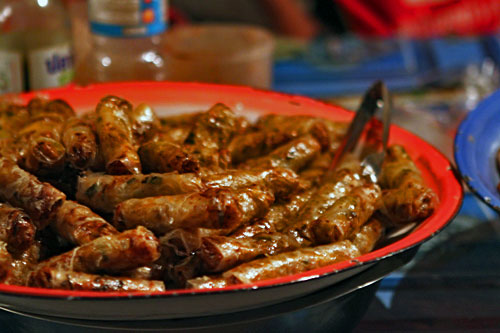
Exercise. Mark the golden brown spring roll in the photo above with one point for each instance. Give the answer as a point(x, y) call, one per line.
point(277, 218)
point(214, 208)
point(21, 189)
point(144, 122)
point(326, 131)
point(103, 192)
point(254, 144)
point(80, 142)
point(115, 136)
point(78, 224)
point(39, 142)
point(165, 156)
point(58, 278)
point(369, 234)
point(212, 132)
point(16, 228)
point(111, 254)
point(406, 197)
point(344, 181)
point(279, 181)
point(219, 253)
point(342, 219)
point(293, 155)
point(283, 264)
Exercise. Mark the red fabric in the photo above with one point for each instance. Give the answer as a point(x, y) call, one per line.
point(422, 18)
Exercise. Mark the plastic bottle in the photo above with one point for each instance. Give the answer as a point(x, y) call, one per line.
point(126, 39)
point(35, 45)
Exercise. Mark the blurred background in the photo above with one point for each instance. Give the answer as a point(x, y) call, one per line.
point(439, 58)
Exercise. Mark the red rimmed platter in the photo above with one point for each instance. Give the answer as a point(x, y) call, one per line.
point(168, 98)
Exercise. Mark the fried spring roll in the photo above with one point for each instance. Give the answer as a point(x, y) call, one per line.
point(281, 182)
point(220, 253)
point(41, 150)
point(277, 218)
point(16, 228)
point(368, 236)
point(406, 197)
point(144, 122)
point(293, 155)
point(103, 192)
point(166, 156)
point(335, 131)
point(115, 136)
point(78, 224)
point(283, 264)
point(255, 144)
point(214, 208)
point(344, 181)
point(111, 254)
point(80, 142)
point(212, 132)
point(342, 219)
point(57, 278)
point(21, 189)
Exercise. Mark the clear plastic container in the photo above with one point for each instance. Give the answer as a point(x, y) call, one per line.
point(125, 41)
point(229, 54)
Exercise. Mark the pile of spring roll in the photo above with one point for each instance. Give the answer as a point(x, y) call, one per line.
point(121, 200)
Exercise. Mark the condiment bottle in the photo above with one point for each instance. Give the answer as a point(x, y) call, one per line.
point(35, 45)
point(126, 37)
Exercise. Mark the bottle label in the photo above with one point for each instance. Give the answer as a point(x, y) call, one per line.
point(11, 72)
point(50, 67)
point(127, 18)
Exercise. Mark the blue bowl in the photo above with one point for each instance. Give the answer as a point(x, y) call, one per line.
point(476, 145)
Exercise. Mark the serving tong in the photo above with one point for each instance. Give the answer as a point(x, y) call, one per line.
point(367, 129)
point(368, 135)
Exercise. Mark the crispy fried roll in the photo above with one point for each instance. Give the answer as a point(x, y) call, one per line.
point(281, 182)
point(80, 142)
point(25, 191)
point(16, 228)
point(367, 237)
point(212, 131)
point(115, 136)
point(103, 192)
point(342, 219)
point(78, 224)
point(112, 254)
point(166, 156)
point(213, 208)
point(219, 253)
point(5, 263)
point(277, 218)
point(406, 197)
point(144, 122)
point(254, 144)
point(344, 181)
point(58, 278)
point(283, 264)
point(293, 155)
